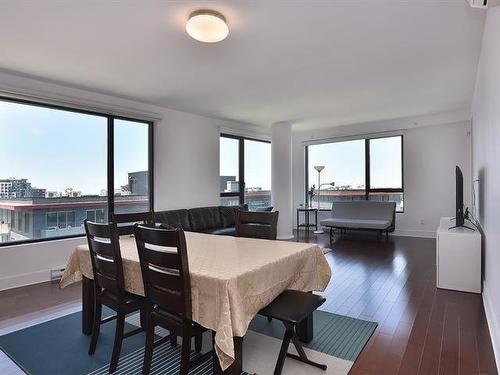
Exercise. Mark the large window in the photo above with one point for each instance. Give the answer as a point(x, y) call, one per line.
point(360, 169)
point(245, 171)
point(62, 165)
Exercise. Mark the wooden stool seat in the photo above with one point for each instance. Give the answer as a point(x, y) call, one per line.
point(291, 307)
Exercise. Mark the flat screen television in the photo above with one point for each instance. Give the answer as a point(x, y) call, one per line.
point(459, 214)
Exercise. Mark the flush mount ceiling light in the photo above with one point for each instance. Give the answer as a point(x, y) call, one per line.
point(207, 26)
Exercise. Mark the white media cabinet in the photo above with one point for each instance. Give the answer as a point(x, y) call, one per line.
point(458, 257)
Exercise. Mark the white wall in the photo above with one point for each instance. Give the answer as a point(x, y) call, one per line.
point(431, 152)
point(186, 167)
point(485, 160)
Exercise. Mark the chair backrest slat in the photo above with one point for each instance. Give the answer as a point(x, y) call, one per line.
point(165, 279)
point(126, 221)
point(254, 224)
point(165, 270)
point(162, 259)
point(104, 247)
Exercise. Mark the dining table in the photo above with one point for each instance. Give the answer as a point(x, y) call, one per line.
point(232, 279)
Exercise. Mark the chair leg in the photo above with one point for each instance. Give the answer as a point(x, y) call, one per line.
point(198, 341)
point(186, 348)
point(148, 349)
point(96, 327)
point(302, 357)
point(117, 346)
point(284, 349)
point(387, 235)
point(173, 338)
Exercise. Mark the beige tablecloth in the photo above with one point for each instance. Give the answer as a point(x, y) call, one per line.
point(231, 278)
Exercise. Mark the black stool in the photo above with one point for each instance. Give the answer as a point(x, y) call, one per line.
point(292, 307)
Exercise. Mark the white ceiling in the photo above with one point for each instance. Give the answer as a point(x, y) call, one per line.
point(314, 63)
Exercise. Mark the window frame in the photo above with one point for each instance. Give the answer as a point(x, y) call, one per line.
point(110, 117)
point(368, 189)
point(241, 165)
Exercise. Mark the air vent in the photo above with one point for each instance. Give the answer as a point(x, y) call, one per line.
point(56, 275)
point(478, 3)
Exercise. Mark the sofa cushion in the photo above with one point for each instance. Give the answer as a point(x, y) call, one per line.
point(228, 231)
point(202, 218)
point(174, 218)
point(370, 210)
point(228, 214)
point(356, 223)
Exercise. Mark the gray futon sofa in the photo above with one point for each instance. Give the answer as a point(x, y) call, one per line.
point(362, 215)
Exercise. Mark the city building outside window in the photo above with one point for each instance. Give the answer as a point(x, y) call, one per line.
point(26, 222)
point(44, 196)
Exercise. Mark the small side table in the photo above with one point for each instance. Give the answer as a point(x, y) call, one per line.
point(307, 220)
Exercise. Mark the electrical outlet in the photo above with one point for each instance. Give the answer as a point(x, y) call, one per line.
point(422, 222)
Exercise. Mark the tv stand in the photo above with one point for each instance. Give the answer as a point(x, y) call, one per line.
point(462, 226)
point(458, 257)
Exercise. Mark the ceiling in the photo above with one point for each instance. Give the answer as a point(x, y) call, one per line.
point(314, 63)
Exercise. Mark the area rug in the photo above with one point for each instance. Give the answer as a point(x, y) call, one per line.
point(58, 347)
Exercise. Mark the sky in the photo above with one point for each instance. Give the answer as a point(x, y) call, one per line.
point(57, 149)
point(257, 161)
point(345, 163)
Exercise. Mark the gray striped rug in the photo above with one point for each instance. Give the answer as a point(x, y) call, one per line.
point(165, 362)
point(336, 335)
point(166, 359)
point(338, 340)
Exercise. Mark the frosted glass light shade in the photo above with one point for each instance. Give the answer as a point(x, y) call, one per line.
point(207, 26)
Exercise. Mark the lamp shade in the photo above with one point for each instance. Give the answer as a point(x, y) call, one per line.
point(319, 168)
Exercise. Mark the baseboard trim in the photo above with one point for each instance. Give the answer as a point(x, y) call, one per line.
point(397, 232)
point(493, 325)
point(23, 279)
point(414, 233)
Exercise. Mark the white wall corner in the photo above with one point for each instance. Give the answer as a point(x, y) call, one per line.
point(493, 324)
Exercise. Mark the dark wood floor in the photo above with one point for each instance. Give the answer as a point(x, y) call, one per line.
point(422, 330)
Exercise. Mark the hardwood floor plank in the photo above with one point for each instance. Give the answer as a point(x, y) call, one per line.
point(450, 348)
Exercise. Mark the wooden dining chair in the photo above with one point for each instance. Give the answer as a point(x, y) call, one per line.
point(291, 307)
point(167, 286)
point(255, 224)
point(126, 221)
point(109, 285)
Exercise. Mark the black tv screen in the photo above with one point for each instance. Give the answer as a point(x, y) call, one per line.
point(459, 214)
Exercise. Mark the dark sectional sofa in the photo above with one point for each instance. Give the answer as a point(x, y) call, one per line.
point(219, 220)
